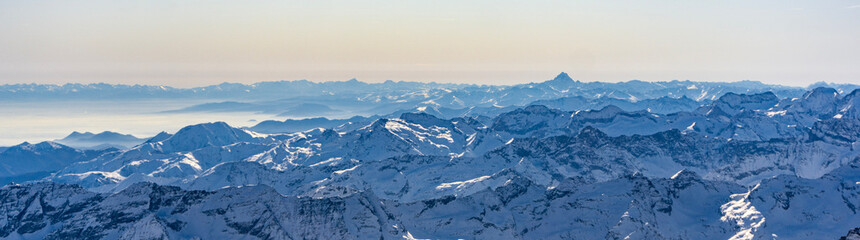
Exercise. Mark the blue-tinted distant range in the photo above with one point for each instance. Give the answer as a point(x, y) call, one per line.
point(39, 112)
point(367, 119)
point(557, 159)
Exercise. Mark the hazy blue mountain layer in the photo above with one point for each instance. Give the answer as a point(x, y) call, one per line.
point(744, 161)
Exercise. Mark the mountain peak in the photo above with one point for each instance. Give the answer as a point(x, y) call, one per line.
point(105, 136)
point(561, 82)
point(41, 146)
point(821, 92)
point(611, 109)
point(378, 125)
point(78, 134)
point(207, 134)
point(821, 101)
point(562, 77)
point(159, 137)
point(49, 145)
point(733, 103)
point(592, 134)
point(854, 93)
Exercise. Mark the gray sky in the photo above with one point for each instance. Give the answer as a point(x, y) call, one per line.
point(193, 43)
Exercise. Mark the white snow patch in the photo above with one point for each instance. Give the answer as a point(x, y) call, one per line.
point(690, 128)
point(677, 174)
point(346, 170)
point(774, 113)
point(743, 213)
point(461, 183)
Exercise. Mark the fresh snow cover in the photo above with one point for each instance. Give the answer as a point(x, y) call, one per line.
point(748, 164)
point(683, 207)
point(742, 212)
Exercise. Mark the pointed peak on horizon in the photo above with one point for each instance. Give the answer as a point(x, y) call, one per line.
point(562, 76)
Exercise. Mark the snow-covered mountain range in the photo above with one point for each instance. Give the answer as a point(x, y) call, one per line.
point(631, 160)
point(683, 206)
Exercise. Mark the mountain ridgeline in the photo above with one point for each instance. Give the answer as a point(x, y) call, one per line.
point(561, 159)
point(343, 99)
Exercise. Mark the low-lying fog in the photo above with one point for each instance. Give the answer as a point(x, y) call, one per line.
point(41, 121)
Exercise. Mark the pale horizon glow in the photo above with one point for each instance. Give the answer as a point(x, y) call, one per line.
point(197, 43)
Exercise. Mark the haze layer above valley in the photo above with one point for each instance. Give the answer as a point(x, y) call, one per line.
point(39, 112)
point(558, 159)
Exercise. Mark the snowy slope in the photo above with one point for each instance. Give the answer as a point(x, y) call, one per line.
point(29, 161)
point(148, 211)
point(743, 166)
point(684, 206)
point(544, 143)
